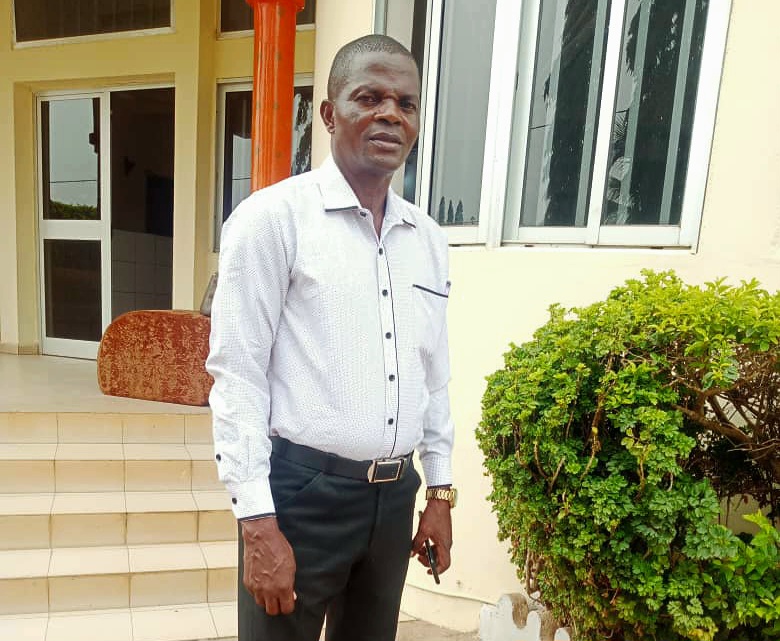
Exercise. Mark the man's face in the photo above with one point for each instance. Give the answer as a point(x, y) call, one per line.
point(374, 119)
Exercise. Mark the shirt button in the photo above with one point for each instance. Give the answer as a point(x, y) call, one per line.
point(219, 457)
point(234, 500)
point(362, 213)
point(390, 421)
point(391, 377)
point(388, 335)
point(384, 292)
point(381, 251)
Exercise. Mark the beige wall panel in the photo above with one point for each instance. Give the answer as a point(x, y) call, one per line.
point(9, 323)
point(741, 223)
point(185, 160)
point(234, 57)
point(26, 217)
point(206, 150)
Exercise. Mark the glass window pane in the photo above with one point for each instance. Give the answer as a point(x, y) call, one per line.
point(71, 159)
point(238, 143)
point(142, 188)
point(303, 118)
point(236, 15)
point(72, 281)
point(238, 150)
point(651, 130)
point(564, 112)
point(461, 116)
point(44, 19)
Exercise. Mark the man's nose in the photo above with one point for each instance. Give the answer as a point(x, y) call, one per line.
point(388, 110)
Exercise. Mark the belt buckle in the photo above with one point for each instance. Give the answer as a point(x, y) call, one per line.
point(384, 470)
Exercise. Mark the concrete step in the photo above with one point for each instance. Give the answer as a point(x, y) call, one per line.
point(73, 427)
point(106, 467)
point(184, 622)
point(78, 519)
point(124, 576)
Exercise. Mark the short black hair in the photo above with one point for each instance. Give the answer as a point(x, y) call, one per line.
point(342, 62)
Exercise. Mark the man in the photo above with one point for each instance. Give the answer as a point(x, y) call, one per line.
point(330, 365)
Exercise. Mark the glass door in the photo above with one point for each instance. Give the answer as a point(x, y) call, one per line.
point(106, 212)
point(74, 256)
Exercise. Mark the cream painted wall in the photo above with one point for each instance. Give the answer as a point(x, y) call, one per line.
point(191, 58)
point(9, 326)
point(26, 226)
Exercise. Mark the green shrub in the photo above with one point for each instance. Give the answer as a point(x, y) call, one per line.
point(611, 439)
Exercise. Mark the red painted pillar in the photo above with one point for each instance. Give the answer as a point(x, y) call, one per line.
point(272, 91)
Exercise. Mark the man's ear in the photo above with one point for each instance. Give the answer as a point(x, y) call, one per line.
point(326, 113)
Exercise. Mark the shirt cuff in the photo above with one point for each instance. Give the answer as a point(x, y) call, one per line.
point(250, 498)
point(437, 470)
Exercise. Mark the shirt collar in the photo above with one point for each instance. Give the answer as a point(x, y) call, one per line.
point(337, 195)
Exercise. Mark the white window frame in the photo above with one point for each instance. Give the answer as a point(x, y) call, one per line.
point(456, 234)
point(93, 37)
point(223, 88)
point(508, 110)
point(509, 98)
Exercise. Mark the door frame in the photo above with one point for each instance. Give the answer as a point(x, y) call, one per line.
point(97, 230)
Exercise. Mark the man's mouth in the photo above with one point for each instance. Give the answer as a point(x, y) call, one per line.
point(386, 139)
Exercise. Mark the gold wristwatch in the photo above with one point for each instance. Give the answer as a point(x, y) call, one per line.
point(443, 494)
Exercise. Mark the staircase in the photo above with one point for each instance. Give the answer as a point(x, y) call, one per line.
point(113, 527)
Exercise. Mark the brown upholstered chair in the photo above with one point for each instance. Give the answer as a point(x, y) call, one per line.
point(158, 355)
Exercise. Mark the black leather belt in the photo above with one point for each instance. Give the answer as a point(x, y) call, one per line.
point(377, 471)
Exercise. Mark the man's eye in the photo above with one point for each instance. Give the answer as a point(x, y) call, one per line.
point(410, 107)
point(367, 100)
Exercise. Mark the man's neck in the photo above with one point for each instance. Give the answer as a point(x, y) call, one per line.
point(371, 191)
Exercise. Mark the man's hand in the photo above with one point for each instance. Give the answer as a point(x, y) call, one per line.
point(436, 525)
point(269, 566)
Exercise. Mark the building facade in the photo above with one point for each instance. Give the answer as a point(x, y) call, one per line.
point(566, 145)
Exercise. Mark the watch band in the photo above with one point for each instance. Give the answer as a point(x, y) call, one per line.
point(449, 494)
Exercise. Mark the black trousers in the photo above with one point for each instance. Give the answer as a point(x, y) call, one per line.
point(351, 541)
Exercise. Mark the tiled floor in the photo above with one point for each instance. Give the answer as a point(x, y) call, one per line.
point(53, 384)
point(171, 623)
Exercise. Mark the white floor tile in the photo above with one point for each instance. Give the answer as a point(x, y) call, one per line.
point(23, 564)
point(24, 504)
point(173, 624)
point(88, 502)
point(89, 561)
point(155, 558)
point(92, 626)
point(23, 628)
point(160, 502)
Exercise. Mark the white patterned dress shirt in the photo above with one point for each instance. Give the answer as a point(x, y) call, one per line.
point(326, 335)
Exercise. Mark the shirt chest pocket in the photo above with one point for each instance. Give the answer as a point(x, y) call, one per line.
point(429, 307)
